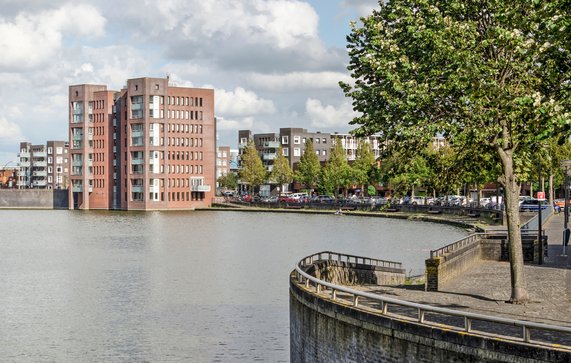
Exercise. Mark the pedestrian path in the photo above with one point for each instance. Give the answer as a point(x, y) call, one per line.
point(485, 288)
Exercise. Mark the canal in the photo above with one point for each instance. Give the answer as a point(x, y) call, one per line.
point(208, 286)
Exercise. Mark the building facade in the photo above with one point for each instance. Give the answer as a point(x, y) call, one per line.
point(292, 142)
point(58, 164)
point(42, 166)
point(150, 146)
point(223, 159)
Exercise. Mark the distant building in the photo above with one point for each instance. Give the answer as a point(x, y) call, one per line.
point(292, 142)
point(150, 146)
point(41, 166)
point(222, 161)
point(58, 164)
point(8, 177)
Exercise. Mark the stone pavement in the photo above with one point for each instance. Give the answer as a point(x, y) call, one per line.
point(485, 288)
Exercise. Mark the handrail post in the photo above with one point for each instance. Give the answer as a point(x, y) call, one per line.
point(333, 294)
point(420, 315)
point(355, 300)
point(467, 324)
point(526, 334)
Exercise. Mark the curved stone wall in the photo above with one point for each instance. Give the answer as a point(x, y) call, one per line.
point(322, 330)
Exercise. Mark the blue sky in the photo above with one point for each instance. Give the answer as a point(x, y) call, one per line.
point(272, 64)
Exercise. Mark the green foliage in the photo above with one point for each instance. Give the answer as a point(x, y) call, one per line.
point(365, 165)
point(493, 77)
point(281, 171)
point(228, 181)
point(337, 172)
point(308, 168)
point(253, 171)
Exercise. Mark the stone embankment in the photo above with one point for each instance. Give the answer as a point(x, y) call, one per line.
point(329, 325)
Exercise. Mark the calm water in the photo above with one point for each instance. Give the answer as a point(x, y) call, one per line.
point(176, 286)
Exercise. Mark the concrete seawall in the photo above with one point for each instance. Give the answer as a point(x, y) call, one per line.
point(33, 199)
point(322, 330)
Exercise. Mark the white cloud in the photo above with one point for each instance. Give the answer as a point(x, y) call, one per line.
point(298, 80)
point(245, 123)
point(328, 115)
point(241, 102)
point(361, 7)
point(9, 132)
point(29, 40)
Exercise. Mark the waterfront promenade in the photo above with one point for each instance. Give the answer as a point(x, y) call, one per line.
point(485, 288)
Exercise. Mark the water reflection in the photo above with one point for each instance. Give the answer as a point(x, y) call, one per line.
point(180, 286)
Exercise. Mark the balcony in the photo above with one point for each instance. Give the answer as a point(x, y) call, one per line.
point(24, 154)
point(43, 173)
point(39, 154)
point(40, 163)
point(269, 156)
point(139, 161)
point(200, 188)
point(137, 189)
point(24, 164)
point(272, 144)
point(77, 163)
point(77, 189)
point(136, 134)
point(77, 137)
point(39, 183)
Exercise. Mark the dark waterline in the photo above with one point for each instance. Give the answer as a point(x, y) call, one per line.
point(172, 286)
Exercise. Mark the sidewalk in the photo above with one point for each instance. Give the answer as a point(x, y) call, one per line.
point(485, 288)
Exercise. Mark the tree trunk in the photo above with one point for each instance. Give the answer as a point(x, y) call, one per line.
point(551, 191)
point(519, 293)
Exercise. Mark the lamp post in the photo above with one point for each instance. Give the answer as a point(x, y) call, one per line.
point(566, 165)
point(540, 197)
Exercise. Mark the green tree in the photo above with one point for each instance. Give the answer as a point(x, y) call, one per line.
point(308, 168)
point(228, 181)
point(492, 76)
point(281, 171)
point(336, 173)
point(365, 165)
point(253, 171)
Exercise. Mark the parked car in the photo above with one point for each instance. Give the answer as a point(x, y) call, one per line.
point(323, 199)
point(417, 200)
point(561, 202)
point(532, 205)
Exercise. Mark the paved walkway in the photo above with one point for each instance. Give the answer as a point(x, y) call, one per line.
point(485, 288)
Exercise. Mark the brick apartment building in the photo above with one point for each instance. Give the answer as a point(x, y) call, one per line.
point(150, 146)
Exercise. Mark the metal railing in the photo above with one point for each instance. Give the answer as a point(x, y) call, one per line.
point(468, 318)
point(463, 242)
point(341, 257)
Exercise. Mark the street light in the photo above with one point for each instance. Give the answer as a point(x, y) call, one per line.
point(566, 165)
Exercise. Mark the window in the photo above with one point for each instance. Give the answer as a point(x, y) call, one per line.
point(156, 86)
point(285, 140)
point(285, 151)
point(50, 150)
point(296, 151)
point(297, 140)
point(323, 152)
point(137, 107)
point(324, 140)
point(317, 140)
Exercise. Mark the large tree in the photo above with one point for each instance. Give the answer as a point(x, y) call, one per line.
point(491, 76)
point(281, 172)
point(365, 170)
point(252, 170)
point(308, 168)
point(336, 173)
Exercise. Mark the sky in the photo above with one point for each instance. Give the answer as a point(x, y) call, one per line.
point(272, 63)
